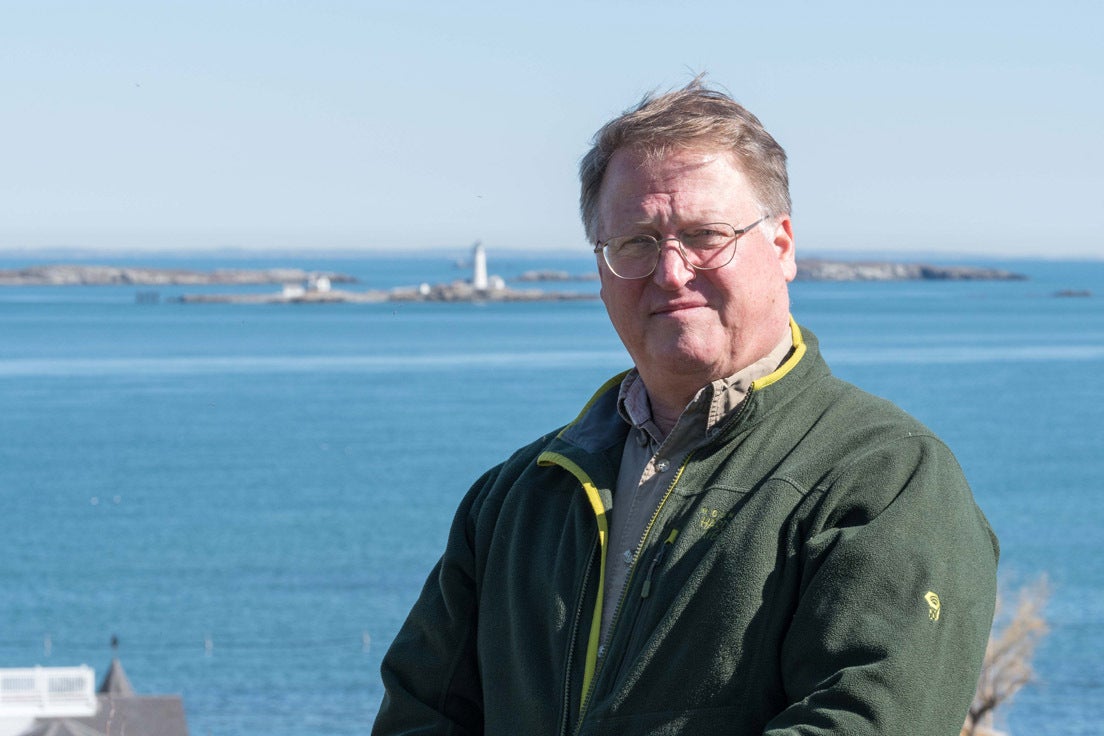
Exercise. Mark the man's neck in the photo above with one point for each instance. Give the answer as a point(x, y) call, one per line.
point(669, 398)
point(666, 414)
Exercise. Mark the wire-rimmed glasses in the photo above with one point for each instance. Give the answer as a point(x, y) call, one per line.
point(703, 247)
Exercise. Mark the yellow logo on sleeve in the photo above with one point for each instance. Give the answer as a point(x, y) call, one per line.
point(934, 606)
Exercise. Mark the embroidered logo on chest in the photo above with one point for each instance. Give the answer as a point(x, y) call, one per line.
point(712, 521)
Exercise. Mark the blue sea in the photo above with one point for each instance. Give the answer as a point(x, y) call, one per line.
point(250, 496)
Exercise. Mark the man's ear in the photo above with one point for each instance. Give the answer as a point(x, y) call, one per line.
point(783, 241)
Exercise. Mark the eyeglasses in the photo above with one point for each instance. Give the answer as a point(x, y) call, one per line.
point(703, 247)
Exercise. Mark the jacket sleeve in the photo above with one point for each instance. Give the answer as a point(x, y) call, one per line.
point(431, 673)
point(898, 585)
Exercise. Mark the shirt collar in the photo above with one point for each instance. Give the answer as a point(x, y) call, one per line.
point(709, 406)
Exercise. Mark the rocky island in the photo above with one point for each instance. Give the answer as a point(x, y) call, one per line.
point(816, 269)
point(81, 275)
point(457, 291)
point(556, 275)
point(480, 288)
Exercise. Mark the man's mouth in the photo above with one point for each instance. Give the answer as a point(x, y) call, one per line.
point(679, 306)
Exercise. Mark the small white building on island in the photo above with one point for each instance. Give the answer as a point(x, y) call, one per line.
point(313, 284)
point(479, 266)
point(480, 280)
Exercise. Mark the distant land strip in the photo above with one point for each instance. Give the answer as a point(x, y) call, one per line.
point(80, 275)
point(457, 291)
point(816, 269)
point(300, 286)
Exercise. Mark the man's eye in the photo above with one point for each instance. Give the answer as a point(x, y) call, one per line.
point(705, 237)
point(635, 243)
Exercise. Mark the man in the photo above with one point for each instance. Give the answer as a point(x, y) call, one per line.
point(728, 539)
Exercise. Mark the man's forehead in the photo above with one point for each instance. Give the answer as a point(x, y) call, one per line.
point(636, 176)
point(680, 190)
point(671, 160)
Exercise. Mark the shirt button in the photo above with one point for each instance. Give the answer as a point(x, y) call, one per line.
point(663, 465)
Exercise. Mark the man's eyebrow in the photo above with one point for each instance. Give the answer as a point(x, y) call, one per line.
point(633, 226)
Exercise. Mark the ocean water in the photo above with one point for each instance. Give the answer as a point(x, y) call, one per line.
point(250, 496)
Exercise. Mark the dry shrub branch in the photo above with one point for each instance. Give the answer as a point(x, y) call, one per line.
point(1007, 664)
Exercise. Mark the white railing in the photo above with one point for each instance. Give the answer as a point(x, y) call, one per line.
point(48, 692)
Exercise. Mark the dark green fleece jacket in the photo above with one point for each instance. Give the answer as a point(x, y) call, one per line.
point(820, 567)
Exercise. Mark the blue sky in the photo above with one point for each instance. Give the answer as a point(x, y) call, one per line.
point(970, 127)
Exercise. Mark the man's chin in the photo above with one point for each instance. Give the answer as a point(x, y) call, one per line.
point(679, 360)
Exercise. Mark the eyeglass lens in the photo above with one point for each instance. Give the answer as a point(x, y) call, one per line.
point(705, 247)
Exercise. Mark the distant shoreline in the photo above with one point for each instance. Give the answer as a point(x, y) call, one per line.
point(457, 291)
point(86, 275)
point(817, 269)
point(810, 269)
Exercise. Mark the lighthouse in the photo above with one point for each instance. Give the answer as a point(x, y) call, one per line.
point(479, 267)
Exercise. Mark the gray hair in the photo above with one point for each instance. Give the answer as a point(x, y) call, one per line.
point(688, 118)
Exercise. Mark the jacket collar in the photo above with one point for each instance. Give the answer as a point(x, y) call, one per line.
point(600, 427)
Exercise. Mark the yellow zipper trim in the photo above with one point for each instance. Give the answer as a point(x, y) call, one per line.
point(597, 625)
point(549, 458)
point(788, 364)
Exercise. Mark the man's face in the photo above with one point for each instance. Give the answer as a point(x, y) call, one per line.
point(685, 328)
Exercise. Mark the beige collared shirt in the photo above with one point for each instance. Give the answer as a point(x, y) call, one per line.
point(650, 460)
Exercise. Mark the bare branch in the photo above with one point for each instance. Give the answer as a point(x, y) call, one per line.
point(1007, 664)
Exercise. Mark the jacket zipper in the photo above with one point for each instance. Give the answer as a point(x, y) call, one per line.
point(590, 669)
point(566, 707)
point(625, 591)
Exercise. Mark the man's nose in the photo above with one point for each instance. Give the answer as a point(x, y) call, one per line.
point(672, 271)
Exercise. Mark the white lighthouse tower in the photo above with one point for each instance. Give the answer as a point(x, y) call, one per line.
point(479, 267)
